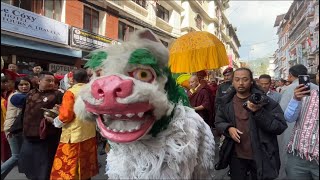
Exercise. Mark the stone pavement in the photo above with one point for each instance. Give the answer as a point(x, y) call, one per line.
point(15, 175)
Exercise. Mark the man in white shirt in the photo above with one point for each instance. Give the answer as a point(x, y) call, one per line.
point(265, 84)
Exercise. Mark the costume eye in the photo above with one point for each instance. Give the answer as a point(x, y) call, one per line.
point(145, 75)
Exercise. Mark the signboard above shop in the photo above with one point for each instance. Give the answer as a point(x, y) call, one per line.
point(88, 40)
point(64, 69)
point(17, 20)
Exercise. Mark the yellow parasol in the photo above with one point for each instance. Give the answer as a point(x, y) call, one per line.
point(197, 51)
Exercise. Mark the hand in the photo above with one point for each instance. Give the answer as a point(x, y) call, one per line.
point(48, 118)
point(253, 107)
point(234, 133)
point(300, 92)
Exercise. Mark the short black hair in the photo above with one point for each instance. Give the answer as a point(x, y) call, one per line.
point(17, 82)
point(297, 70)
point(243, 69)
point(80, 75)
point(43, 73)
point(265, 76)
point(35, 65)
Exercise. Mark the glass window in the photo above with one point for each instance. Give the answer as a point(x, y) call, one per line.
point(6, 1)
point(162, 13)
point(91, 20)
point(57, 9)
point(25, 4)
point(142, 3)
point(49, 8)
point(124, 31)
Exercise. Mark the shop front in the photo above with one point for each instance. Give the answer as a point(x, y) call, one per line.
point(28, 38)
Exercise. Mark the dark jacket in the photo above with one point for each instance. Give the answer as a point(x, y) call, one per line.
point(33, 115)
point(221, 91)
point(264, 126)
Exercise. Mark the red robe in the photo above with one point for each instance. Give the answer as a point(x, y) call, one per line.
point(203, 96)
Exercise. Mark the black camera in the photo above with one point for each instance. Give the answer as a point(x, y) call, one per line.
point(258, 99)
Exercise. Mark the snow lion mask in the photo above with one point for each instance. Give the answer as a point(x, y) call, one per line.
point(131, 97)
point(144, 114)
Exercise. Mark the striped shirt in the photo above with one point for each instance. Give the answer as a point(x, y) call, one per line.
point(304, 139)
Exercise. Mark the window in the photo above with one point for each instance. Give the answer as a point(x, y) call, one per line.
point(198, 20)
point(91, 20)
point(162, 13)
point(53, 9)
point(124, 31)
point(142, 3)
point(26, 4)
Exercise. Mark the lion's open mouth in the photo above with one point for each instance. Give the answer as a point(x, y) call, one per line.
point(122, 128)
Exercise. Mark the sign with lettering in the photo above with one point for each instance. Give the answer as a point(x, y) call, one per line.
point(88, 40)
point(17, 20)
point(64, 69)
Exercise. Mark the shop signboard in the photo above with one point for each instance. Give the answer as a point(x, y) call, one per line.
point(63, 69)
point(20, 21)
point(88, 40)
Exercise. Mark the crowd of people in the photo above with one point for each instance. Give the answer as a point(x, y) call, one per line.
point(265, 129)
point(39, 130)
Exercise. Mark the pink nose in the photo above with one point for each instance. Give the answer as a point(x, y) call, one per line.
point(111, 87)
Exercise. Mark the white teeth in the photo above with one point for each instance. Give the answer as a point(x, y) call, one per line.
point(122, 126)
point(138, 127)
point(130, 115)
point(118, 115)
point(140, 114)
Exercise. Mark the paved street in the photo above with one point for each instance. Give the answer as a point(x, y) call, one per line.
point(14, 174)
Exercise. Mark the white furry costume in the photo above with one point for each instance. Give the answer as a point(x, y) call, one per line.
point(137, 107)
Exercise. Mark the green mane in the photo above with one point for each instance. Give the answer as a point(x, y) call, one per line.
point(95, 59)
point(175, 95)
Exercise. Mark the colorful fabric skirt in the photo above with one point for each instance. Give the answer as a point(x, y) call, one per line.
point(75, 160)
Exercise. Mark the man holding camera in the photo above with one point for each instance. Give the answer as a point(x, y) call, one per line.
point(250, 121)
point(303, 147)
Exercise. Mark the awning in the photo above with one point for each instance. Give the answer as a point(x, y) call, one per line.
point(29, 44)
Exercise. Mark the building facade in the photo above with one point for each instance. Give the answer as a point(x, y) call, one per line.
point(298, 32)
point(64, 31)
